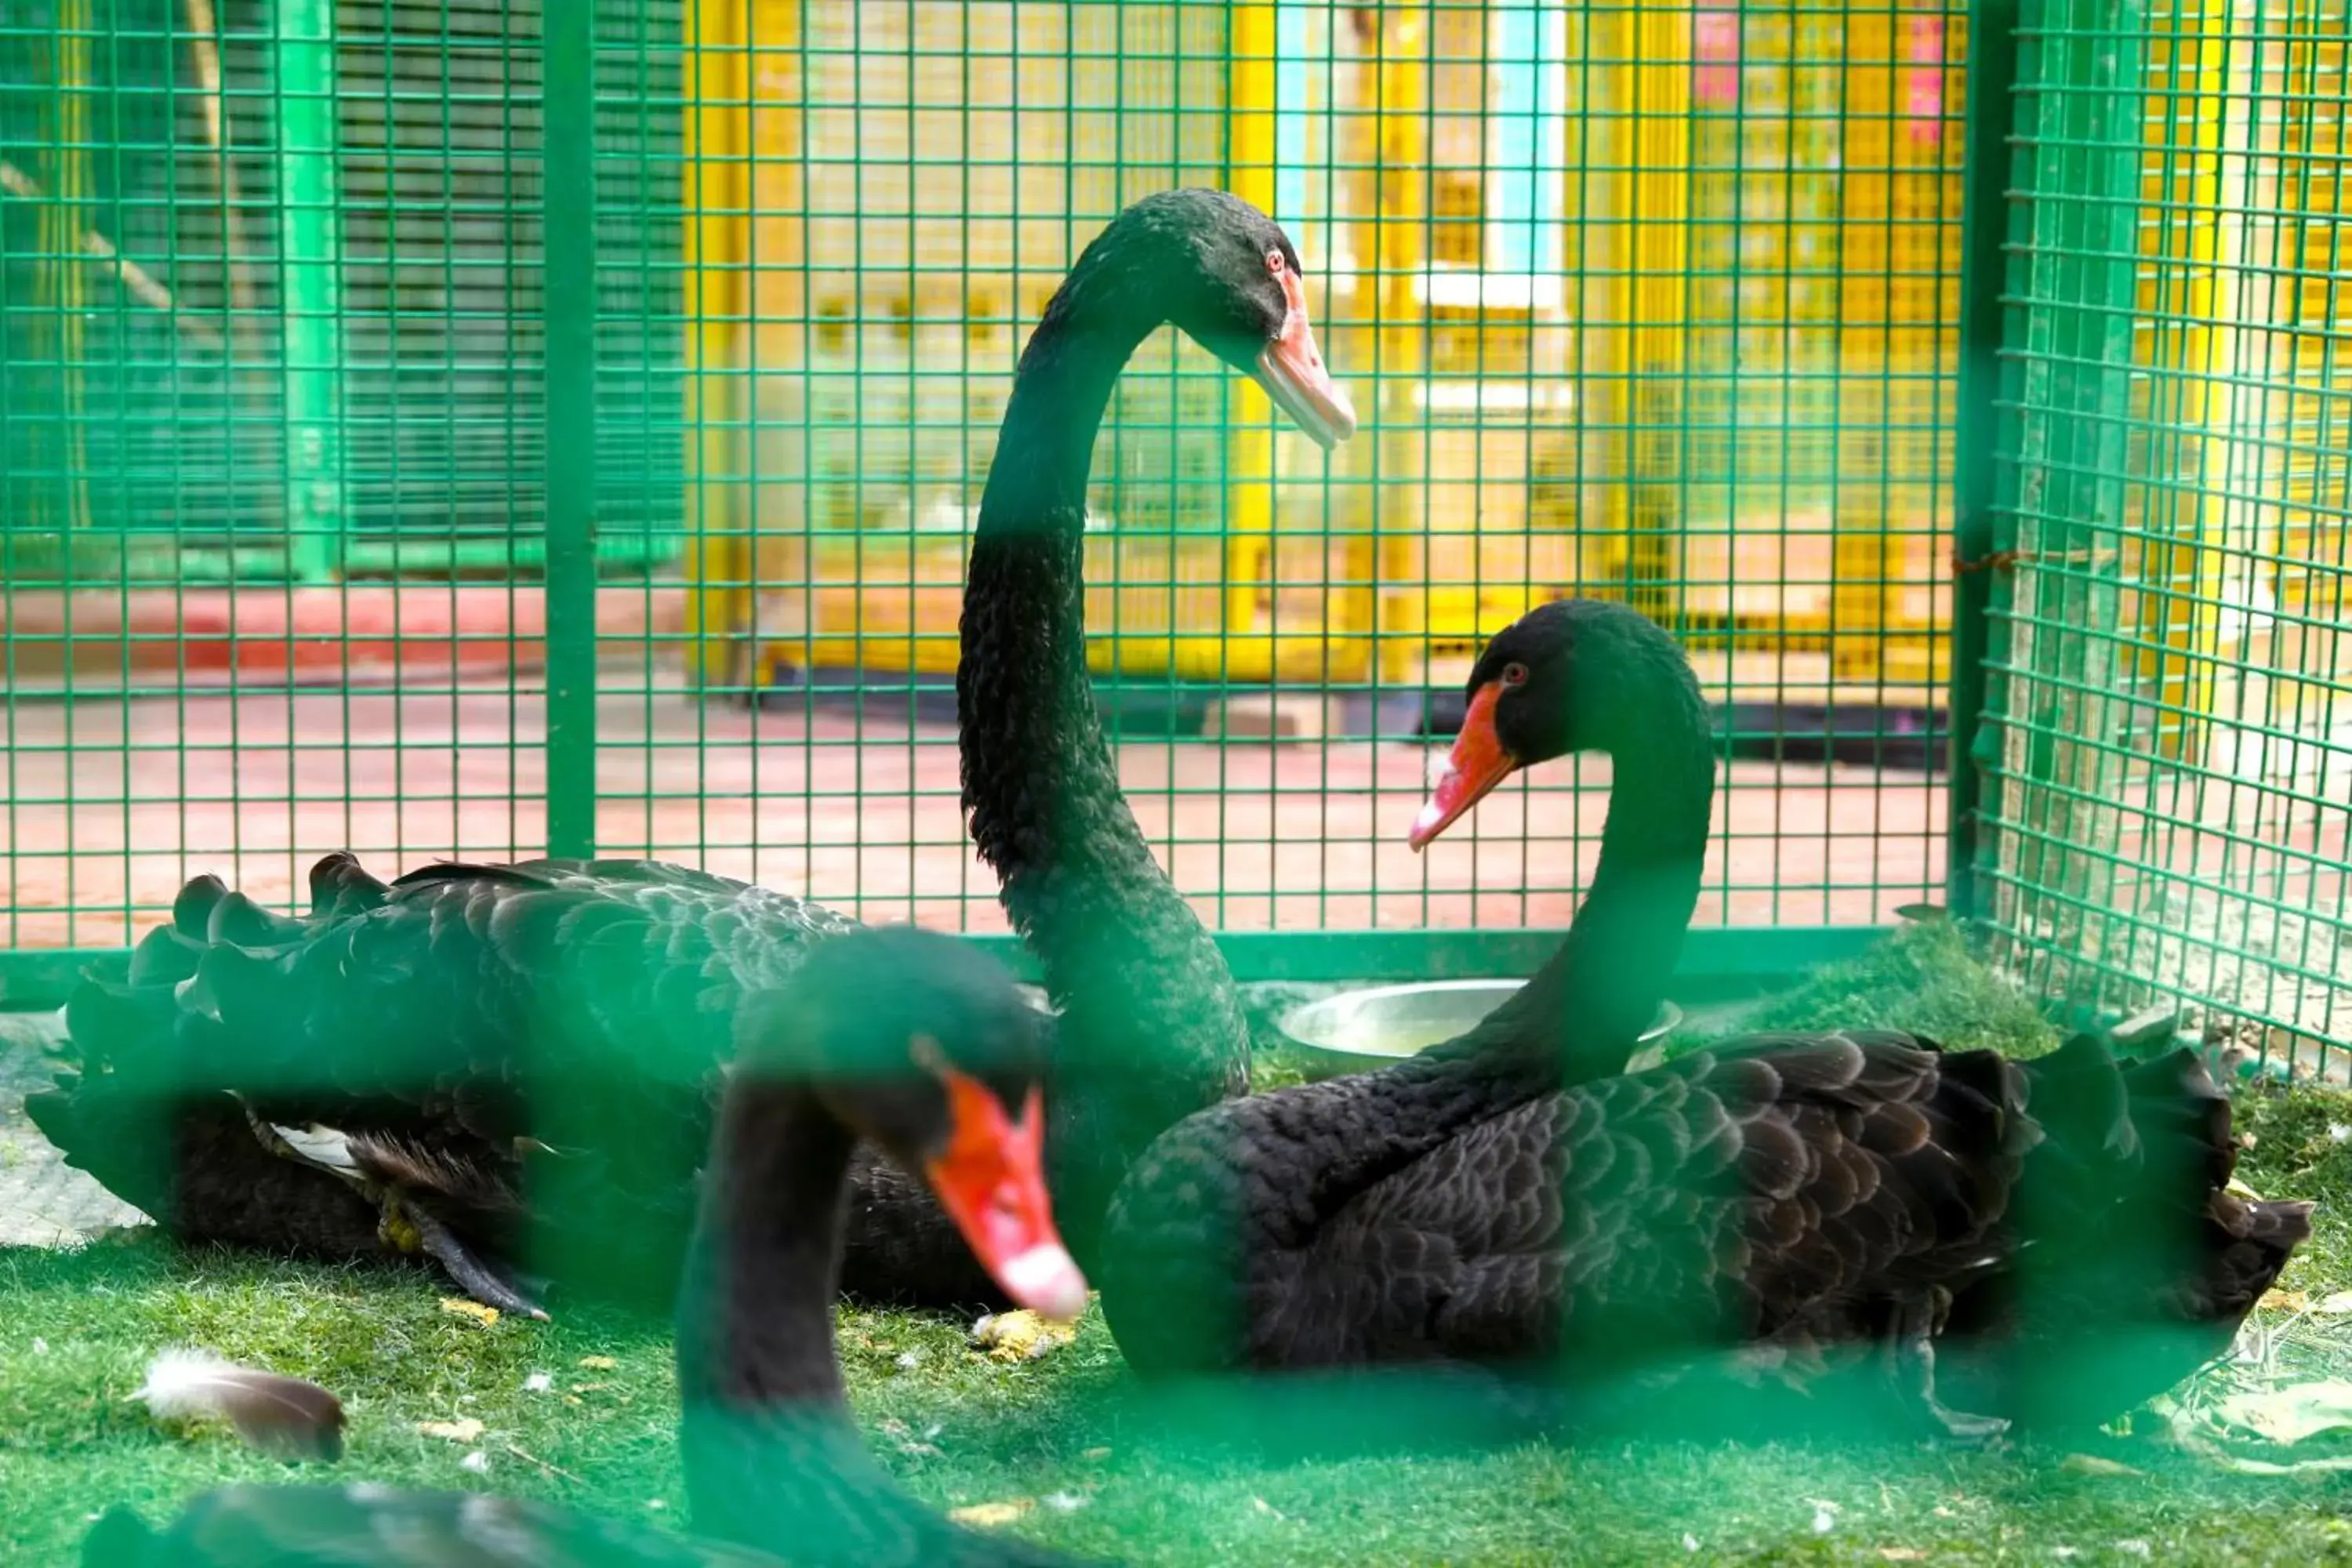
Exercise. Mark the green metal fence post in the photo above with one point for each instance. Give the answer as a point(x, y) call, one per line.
point(2073, 464)
point(311, 297)
point(571, 373)
point(1985, 219)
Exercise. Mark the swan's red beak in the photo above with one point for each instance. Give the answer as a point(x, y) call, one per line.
point(1291, 370)
point(992, 1182)
point(1479, 762)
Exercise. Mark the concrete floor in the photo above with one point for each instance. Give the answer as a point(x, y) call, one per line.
point(107, 804)
point(43, 1202)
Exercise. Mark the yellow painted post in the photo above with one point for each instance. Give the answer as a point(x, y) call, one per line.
point(1658, 199)
point(1923, 262)
point(1249, 173)
point(718, 552)
point(1401, 605)
point(1602, 183)
point(754, 250)
point(778, 299)
point(61, 283)
point(1866, 304)
point(2184, 575)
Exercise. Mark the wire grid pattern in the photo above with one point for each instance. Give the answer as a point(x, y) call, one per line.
point(271, 287)
point(2171, 665)
point(1646, 303)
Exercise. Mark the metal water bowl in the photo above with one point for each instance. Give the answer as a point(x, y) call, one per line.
point(1359, 1030)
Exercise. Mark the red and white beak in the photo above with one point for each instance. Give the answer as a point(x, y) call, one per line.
point(1291, 368)
point(991, 1181)
point(1479, 763)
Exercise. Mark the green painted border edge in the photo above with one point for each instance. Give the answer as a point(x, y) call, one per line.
point(1750, 955)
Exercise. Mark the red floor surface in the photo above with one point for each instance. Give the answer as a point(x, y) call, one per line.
point(110, 803)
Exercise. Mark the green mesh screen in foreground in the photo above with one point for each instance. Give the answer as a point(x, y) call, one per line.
point(316, 315)
point(273, 287)
point(2170, 666)
point(1632, 303)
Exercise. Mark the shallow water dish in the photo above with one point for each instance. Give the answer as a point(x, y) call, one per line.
point(1359, 1030)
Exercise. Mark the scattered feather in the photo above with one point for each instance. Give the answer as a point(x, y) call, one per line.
point(1690, 1541)
point(2093, 1465)
point(537, 1382)
point(460, 1307)
point(284, 1416)
point(1020, 1336)
point(325, 1147)
point(464, 1431)
point(656, 1504)
point(992, 1515)
point(40, 1345)
point(2291, 1414)
point(909, 1361)
point(2333, 1306)
point(1065, 1503)
point(2135, 1547)
point(544, 1467)
point(1094, 1456)
point(2308, 1469)
point(476, 1462)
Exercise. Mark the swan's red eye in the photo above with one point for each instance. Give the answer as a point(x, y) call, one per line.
point(1274, 262)
point(1515, 674)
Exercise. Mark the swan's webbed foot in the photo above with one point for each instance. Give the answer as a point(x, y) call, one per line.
point(484, 1279)
point(1913, 1367)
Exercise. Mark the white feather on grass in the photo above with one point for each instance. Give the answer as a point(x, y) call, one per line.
point(281, 1415)
point(325, 1147)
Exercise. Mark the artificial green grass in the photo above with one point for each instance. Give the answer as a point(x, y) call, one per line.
point(1922, 979)
point(1065, 1436)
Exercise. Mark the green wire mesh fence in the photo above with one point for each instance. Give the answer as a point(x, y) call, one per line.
point(2170, 740)
point(452, 430)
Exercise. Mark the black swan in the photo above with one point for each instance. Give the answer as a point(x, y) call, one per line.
point(523, 996)
point(1145, 998)
point(1807, 1203)
point(910, 1040)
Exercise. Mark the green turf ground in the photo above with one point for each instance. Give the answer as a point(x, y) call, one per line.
point(1057, 1441)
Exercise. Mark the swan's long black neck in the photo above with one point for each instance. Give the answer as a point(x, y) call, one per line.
point(1576, 1020)
point(1150, 1017)
point(1578, 1017)
point(769, 1451)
